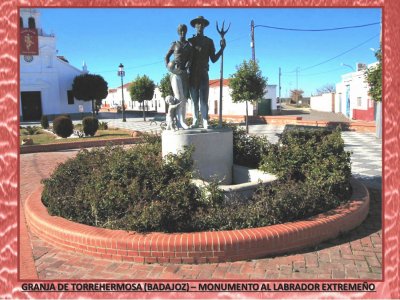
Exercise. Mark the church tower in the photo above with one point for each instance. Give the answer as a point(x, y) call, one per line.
point(45, 77)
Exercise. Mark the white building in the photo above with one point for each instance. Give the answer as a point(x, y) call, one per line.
point(46, 79)
point(229, 108)
point(114, 99)
point(352, 99)
point(325, 102)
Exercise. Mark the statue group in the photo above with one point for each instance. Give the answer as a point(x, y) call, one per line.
point(189, 74)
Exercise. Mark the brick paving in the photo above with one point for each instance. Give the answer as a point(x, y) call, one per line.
point(355, 255)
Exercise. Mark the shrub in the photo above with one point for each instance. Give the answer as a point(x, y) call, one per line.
point(248, 150)
point(30, 130)
point(282, 201)
point(286, 201)
point(103, 125)
point(90, 125)
point(316, 157)
point(44, 121)
point(62, 126)
point(136, 189)
point(132, 189)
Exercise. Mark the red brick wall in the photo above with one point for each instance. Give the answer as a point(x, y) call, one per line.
point(200, 247)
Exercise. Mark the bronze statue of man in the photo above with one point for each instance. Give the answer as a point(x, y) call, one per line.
point(203, 50)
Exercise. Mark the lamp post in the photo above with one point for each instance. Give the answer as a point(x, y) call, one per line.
point(121, 73)
point(345, 65)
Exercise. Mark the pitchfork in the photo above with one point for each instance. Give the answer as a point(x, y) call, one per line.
point(222, 33)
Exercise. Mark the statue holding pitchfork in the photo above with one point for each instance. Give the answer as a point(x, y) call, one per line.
point(203, 51)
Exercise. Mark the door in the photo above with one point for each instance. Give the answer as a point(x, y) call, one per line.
point(348, 101)
point(31, 103)
point(264, 107)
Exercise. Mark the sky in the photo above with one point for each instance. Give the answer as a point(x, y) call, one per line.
point(139, 38)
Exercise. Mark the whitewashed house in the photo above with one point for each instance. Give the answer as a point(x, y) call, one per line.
point(229, 108)
point(237, 109)
point(45, 78)
point(352, 99)
point(114, 100)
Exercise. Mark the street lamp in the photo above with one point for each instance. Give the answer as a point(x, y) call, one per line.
point(342, 64)
point(121, 73)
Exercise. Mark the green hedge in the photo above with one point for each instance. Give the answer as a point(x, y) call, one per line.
point(132, 189)
point(248, 150)
point(316, 157)
point(135, 189)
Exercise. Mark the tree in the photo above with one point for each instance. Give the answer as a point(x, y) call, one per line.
point(142, 89)
point(327, 88)
point(166, 88)
point(296, 95)
point(374, 78)
point(90, 87)
point(247, 84)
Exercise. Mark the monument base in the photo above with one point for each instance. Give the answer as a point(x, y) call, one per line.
point(213, 150)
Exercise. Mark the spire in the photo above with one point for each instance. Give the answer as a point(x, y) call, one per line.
point(84, 67)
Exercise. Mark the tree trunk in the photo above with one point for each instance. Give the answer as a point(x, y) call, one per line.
point(144, 112)
point(93, 108)
point(247, 117)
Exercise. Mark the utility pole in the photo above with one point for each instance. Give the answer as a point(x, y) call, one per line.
point(252, 45)
point(253, 57)
point(297, 84)
point(279, 91)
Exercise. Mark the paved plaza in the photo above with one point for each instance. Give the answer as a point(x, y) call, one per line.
point(356, 255)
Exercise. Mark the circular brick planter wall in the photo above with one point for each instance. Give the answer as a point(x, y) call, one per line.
point(200, 247)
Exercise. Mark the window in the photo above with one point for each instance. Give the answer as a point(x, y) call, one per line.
point(70, 96)
point(21, 22)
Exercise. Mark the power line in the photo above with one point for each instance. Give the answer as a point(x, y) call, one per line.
point(324, 29)
point(319, 73)
point(347, 51)
point(330, 59)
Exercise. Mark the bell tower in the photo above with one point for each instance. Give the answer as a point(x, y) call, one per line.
point(30, 18)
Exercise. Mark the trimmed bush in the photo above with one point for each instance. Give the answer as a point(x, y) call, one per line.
point(62, 126)
point(90, 125)
point(44, 121)
point(132, 189)
point(316, 157)
point(136, 189)
point(247, 149)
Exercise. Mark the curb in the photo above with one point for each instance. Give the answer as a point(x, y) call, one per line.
point(198, 247)
point(76, 145)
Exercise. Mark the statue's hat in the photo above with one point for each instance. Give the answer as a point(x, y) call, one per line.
point(199, 19)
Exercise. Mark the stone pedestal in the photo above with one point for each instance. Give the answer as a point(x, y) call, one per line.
point(213, 153)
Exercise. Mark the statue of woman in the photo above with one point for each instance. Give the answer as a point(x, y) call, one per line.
point(178, 69)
